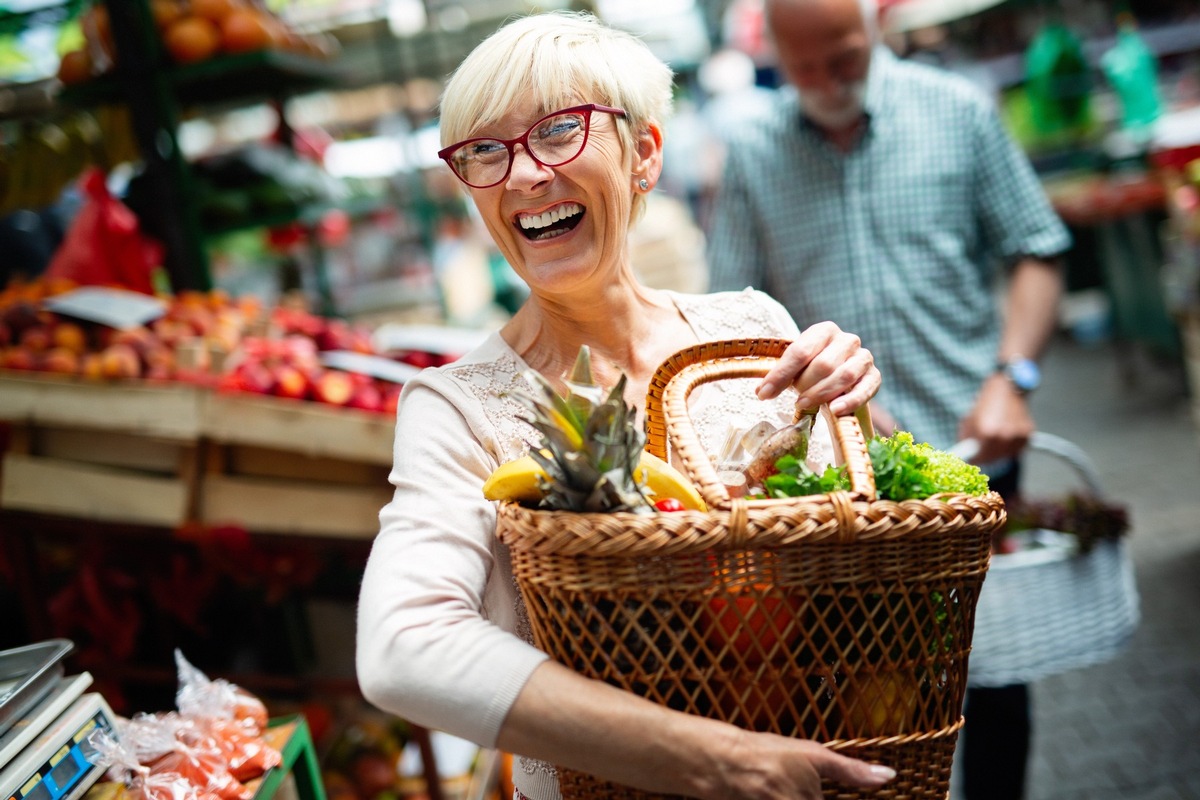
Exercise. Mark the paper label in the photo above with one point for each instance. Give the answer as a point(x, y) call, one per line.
point(375, 366)
point(117, 308)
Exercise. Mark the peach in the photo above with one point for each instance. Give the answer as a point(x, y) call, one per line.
point(334, 387)
point(120, 360)
point(36, 339)
point(69, 335)
point(62, 360)
point(91, 366)
point(17, 357)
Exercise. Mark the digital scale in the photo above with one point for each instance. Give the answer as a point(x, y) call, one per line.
point(43, 748)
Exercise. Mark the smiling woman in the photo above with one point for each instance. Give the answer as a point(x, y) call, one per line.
point(555, 125)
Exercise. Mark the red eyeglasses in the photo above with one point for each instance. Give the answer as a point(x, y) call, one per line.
point(552, 141)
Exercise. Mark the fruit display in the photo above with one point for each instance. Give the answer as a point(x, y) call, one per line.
point(191, 31)
point(590, 456)
point(175, 346)
point(209, 339)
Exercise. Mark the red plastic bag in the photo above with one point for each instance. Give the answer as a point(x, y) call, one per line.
point(105, 245)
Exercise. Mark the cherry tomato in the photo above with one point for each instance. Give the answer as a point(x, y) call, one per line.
point(668, 504)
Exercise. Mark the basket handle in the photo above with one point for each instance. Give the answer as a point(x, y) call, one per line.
point(668, 420)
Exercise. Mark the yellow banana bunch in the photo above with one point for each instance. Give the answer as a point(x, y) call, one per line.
point(518, 480)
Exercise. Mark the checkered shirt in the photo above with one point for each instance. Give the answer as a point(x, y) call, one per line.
point(902, 240)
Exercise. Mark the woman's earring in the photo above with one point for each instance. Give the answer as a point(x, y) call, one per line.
point(644, 184)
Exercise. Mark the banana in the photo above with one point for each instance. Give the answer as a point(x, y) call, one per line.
point(663, 480)
point(518, 480)
point(515, 480)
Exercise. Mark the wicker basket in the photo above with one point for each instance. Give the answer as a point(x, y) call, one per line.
point(1052, 609)
point(836, 617)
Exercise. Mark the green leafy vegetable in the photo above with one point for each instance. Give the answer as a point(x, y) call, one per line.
point(904, 470)
point(795, 479)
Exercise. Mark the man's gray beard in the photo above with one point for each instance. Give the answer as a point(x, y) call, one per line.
point(839, 118)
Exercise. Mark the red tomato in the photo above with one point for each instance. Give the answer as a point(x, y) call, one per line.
point(751, 624)
point(669, 504)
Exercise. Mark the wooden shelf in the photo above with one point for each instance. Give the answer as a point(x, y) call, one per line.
point(223, 80)
point(172, 454)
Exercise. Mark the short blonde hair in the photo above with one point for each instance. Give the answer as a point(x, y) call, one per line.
point(556, 59)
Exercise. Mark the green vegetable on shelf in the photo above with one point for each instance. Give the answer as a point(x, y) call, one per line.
point(904, 470)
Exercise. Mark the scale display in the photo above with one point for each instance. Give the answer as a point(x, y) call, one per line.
point(55, 765)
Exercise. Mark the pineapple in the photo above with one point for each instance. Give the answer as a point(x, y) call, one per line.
point(590, 443)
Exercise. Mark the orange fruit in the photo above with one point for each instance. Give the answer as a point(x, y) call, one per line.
point(75, 67)
point(245, 30)
point(192, 39)
point(216, 10)
point(165, 12)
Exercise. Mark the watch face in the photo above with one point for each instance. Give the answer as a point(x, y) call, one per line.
point(1024, 374)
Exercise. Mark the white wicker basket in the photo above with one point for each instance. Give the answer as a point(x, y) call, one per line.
point(1051, 609)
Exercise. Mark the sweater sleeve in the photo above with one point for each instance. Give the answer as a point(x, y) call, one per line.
point(427, 650)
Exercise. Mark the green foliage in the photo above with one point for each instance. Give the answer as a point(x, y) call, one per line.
point(908, 470)
point(795, 479)
point(904, 470)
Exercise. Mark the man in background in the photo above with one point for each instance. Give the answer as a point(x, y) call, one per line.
point(886, 196)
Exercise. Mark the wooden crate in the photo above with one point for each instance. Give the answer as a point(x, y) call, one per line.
point(113, 452)
point(305, 428)
point(166, 455)
point(293, 467)
point(171, 411)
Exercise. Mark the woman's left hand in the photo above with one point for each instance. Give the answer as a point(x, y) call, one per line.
point(825, 365)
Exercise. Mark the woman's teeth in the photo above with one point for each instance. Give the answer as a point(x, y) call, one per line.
point(536, 222)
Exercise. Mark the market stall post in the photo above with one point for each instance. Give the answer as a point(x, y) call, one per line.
point(155, 116)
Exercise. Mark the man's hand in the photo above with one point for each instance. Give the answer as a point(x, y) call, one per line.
point(1000, 421)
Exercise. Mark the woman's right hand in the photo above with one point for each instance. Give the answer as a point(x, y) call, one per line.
point(764, 766)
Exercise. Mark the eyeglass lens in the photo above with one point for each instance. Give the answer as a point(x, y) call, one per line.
point(553, 141)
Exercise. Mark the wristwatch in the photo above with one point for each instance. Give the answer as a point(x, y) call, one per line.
point(1022, 372)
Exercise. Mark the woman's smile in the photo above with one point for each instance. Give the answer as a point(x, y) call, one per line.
point(550, 223)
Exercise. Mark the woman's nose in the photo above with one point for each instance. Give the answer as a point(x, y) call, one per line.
point(525, 171)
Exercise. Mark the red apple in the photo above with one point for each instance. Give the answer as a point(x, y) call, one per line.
point(419, 359)
point(334, 335)
point(367, 397)
point(254, 376)
point(334, 387)
point(391, 399)
point(290, 382)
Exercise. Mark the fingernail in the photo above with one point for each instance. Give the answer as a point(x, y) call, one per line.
point(765, 389)
point(882, 773)
point(803, 402)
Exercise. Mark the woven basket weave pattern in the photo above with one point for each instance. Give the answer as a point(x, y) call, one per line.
point(837, 617)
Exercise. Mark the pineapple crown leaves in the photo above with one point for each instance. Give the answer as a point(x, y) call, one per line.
point(590, 442)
